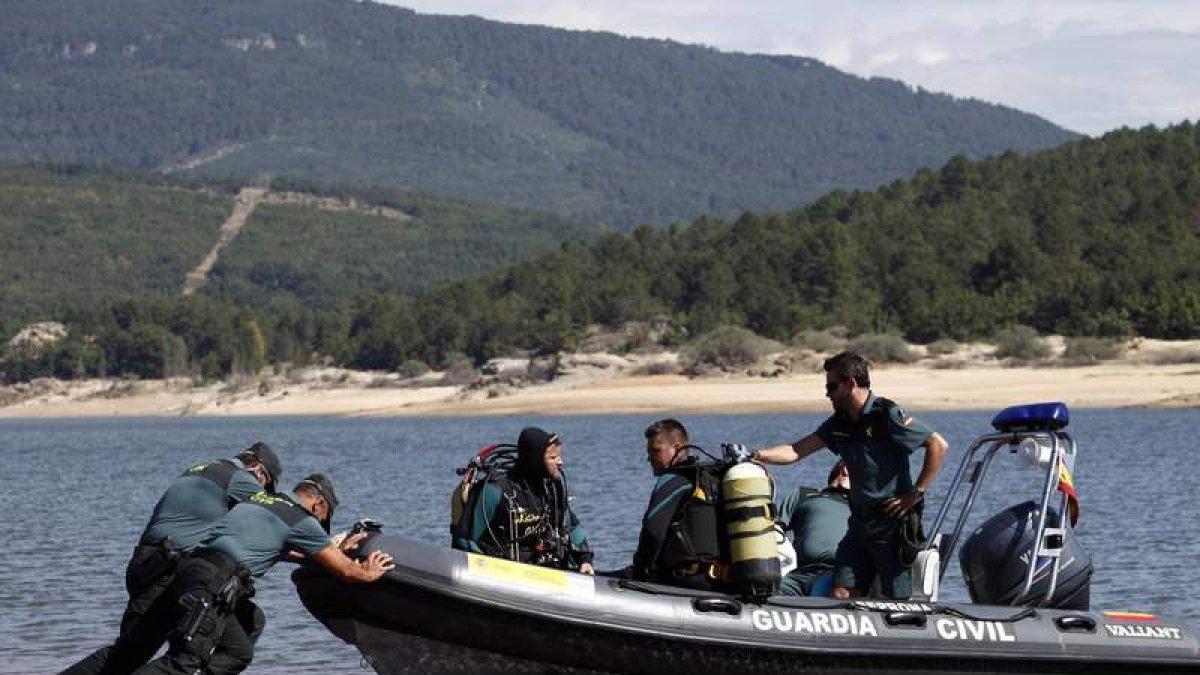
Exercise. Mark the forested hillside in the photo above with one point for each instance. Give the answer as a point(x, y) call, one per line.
point(1097, 237)
point(590, 125)
point(76, 237)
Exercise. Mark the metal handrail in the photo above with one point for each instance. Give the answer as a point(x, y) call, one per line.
point(1063, 449)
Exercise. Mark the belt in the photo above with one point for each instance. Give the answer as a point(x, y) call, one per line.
point(224, 563)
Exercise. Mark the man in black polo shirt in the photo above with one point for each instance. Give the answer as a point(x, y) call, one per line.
point(875, 437)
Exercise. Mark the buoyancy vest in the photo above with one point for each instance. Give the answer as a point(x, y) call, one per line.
point(283, 506)
point(696, 534)
point(528, 524)
point(220, 472)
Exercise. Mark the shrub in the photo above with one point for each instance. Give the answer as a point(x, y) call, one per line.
point(819, 340)
point(725, 348)
point(656, 368)
point(412, 368)
point(1088, 350)
point(544, 369)
point(883, 348)
point(941, 347)
point(1021, 343)
point(460, 371)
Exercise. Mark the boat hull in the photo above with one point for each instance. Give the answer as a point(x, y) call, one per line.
point(444, 611)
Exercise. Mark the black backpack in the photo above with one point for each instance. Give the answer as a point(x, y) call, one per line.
point(489, 464)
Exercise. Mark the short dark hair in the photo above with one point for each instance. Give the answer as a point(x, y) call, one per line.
point(850, 366)
point(668, 426)
point(833, 473)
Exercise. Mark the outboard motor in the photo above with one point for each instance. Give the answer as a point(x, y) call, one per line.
point(995, 560)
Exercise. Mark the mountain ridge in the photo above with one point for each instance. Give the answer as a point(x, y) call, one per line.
point(589, 124)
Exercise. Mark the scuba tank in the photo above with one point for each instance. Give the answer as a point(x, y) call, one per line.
point(747, 503)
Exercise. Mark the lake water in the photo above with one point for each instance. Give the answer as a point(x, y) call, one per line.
point(76, 495)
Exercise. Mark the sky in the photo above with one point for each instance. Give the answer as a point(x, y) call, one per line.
point(1088, 65)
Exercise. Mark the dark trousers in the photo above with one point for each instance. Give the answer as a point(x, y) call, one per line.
point(870, 554)
point(149, 574)
point(149, 617)
point(211, 624)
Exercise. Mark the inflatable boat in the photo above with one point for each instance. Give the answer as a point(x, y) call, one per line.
point(447, 611)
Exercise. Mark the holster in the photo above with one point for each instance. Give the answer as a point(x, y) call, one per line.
point(150, 563)
point(912, 536)
point(213, 586)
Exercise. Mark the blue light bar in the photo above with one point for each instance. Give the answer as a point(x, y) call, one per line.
point(1032, 417)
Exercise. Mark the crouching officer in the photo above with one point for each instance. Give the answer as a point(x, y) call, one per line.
point(182, 518)
point(214, 581)
point(818, 522)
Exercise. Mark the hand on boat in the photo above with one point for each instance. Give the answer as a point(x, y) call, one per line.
point(349, 542)
point(586, 568)
point(377, 564)
point(898, 506)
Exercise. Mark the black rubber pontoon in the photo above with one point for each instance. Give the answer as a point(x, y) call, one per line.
point(447, 611)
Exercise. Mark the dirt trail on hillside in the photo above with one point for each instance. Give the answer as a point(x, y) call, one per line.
point(243, 206)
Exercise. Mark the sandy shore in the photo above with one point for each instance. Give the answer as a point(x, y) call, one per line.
point(979, 387)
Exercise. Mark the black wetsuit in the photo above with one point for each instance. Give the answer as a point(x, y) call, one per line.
point(679, 540)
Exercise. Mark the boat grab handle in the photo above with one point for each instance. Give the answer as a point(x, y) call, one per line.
point(726, 605)
point(1076, 623)
point(913, 619)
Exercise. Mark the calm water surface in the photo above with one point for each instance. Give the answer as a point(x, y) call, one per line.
point(76, 495)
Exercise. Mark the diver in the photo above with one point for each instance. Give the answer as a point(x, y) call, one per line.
point(525, 514)
point(817, 520)
point(214, 582)
point(680, 540)
point(182, 518)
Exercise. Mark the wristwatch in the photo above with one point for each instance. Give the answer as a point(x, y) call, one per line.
point(920, 490)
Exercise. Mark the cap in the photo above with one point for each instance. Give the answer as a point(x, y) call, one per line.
point(324, 487)
point(263, 454)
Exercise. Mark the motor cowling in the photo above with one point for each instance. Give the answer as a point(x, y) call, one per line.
point(995, 561)
point(747, 496)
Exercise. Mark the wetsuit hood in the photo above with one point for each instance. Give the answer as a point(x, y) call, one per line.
point(531, 452)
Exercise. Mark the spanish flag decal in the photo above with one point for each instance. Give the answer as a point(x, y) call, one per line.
point(1140, 617)
point(1066, 485)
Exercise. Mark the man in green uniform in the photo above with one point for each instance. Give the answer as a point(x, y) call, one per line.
point(875, 437)
point(525, 515)
point(181, 519)
point(817, 520)
point(215, 580)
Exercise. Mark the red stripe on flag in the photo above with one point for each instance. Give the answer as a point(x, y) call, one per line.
point(1067, 486)
point(1141, 617)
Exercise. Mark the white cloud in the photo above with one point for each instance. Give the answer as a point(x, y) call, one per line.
point(1089, 65)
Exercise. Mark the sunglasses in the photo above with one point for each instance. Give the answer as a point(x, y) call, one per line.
point(830, 386)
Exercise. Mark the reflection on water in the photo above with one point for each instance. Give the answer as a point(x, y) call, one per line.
point(77, 494)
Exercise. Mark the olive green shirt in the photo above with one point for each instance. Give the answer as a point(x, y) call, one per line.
point(876, 449)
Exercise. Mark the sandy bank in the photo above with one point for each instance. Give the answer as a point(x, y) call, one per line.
point(1118, 384)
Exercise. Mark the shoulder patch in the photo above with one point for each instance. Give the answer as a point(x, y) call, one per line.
point(899, 415)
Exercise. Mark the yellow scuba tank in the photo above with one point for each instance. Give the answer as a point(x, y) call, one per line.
point(749, 514)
